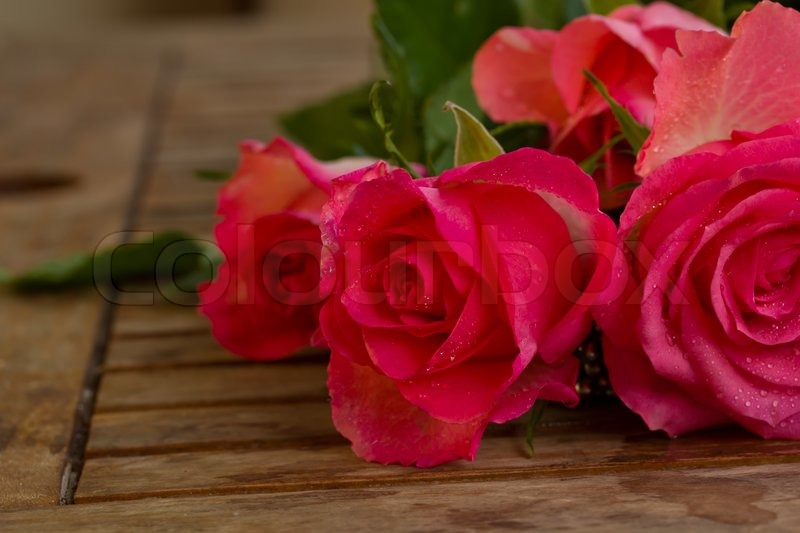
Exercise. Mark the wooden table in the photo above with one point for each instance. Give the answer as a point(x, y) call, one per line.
point(132, 417)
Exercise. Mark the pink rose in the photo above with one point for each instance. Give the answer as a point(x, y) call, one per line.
point(458, 300)
point(537, 75)
point(264, 303)
point(716, 88)
point(707, 329)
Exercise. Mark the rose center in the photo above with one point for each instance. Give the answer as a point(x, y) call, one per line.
point(409, 289)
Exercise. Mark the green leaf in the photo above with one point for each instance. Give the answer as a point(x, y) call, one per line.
point(604, 7)
point(549, 14)
point(425, 43)
point(535, 417)
point(635, 133)
point(212, 175)
point(383, 103)
point(736, 8)
point(186, 282)
point(127, 262)
point(474, 143)
point(440, 128)
point(427, 49)
point(338, 127)
point(515, 135)
point(589, 165)
point(66, 272)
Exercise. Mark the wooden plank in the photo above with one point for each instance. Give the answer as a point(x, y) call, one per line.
point(205, 136)
point(78, 113)
point(310, 467)
point(760, 498)
point(272, 93)
point(198, 224)
point(327, 465)
point(214, 385)
point(175, 189)
point(157, 353)
point(164, 352)
point(157, 320)
point(210, 429)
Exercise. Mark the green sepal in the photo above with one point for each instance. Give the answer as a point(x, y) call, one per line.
point(635, 132)
point(474, 143)
point(534, 418)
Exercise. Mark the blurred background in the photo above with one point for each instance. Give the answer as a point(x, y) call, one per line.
point(107, 109)
point(59, 18)
point(78, 86)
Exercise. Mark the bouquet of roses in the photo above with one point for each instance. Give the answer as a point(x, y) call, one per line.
point(637, 169)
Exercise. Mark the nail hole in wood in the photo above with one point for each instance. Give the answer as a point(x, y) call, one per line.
point(32, 182)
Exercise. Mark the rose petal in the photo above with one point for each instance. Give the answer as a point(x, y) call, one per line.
point(586, 42)
point(397, 354)
point(247, 318)
point(461, 393)
point(659, 21)
point(716, 85)
point(538, 381)
point(383, 427)
point(660, 403)
point(279, 176)
point(512, 79)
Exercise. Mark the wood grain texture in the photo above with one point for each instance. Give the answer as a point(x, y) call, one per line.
point(218, 428)
point(751, 498)
point(70, 112)
point(136, 353)
point(211, 385)
point(162, 319)
point(293, 452)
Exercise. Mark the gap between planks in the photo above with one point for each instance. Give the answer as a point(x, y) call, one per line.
point(75, 458)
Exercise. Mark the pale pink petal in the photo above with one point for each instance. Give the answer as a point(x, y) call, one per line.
point(717, 85)
point(512, 80)
point(279, 176)
point(659, 21)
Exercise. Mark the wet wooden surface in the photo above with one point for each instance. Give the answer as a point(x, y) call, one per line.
point(183, 435)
